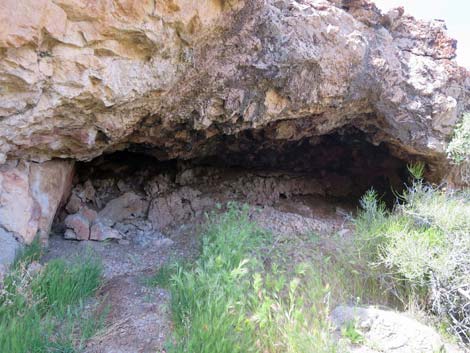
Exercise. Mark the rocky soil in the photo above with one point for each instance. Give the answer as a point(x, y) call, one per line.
point(139, 319)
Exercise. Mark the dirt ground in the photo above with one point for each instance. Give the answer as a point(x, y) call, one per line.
point(139, 319)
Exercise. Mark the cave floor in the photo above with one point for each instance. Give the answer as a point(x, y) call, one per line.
point(139, 318)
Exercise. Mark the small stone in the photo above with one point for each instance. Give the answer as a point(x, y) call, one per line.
point(74, 204)
point(164, 242)
point(101, 232)
point(123, 186)
point(69, 234)
point(89, 191)
point(79, 224)
point(34, 268)
point(89, 214)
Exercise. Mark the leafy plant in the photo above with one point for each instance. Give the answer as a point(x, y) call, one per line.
point(416, 170)
point(351, 332)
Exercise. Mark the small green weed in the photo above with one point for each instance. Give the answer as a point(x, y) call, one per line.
point(351, 332)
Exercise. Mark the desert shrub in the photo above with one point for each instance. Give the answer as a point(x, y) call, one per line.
point(422, 246)
point(41, 311)
point(459, 148)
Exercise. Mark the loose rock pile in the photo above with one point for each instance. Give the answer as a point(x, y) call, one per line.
point(141, 205)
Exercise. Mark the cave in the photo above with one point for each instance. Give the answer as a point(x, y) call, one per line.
point(134, 184)
point(345, 162)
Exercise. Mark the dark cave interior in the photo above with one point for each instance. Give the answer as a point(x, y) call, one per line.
point(344, 162)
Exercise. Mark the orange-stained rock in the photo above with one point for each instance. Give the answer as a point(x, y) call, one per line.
point(81, 77)
point(79, 225)
point(30, 194)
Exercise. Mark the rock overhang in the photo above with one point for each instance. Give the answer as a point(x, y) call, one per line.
point(187, 80)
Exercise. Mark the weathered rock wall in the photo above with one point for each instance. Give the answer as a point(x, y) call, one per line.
point(82, 77)
point(180, 78)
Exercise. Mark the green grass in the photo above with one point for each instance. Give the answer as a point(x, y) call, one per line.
point(250, 291)
point(232, 299)
point(43, 311)
point(61, 285)
point(28, 254)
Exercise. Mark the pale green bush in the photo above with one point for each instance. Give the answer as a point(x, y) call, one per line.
point(459, 147)
point(423, 243)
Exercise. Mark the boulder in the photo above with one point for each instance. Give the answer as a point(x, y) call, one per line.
point(185, 77)
point(74, 204)
point(126, 206)
point(9, 248)
point(101, 232)
point(30, 194)
point(79, 225)
point(388, 331)
point(90, 214)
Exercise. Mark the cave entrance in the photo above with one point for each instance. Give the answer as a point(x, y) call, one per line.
point(248, 168)
point(132, 191)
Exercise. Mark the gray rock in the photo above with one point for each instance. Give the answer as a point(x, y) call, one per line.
point(127, 206)
point(9, 247)
point(388, 331)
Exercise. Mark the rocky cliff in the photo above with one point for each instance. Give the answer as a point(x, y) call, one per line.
point(188, 79)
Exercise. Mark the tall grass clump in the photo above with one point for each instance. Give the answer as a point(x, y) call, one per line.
point(41, 308)
point(422, 248)
point(230, 300)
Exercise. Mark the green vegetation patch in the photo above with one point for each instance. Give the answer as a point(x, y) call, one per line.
point(232, 299)
point(42, 309)
point(421, 248)
point(459, 147)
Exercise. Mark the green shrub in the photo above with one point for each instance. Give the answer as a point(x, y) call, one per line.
point(422, 246)
point(459, 147)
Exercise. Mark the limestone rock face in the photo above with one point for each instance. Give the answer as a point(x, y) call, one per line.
point(78, 78)
point(30, 194)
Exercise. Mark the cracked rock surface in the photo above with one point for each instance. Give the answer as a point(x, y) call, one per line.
point(80, 78)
